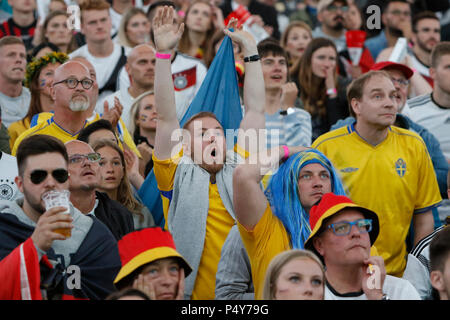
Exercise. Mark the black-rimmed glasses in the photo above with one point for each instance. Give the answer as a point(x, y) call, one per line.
point(72, 83)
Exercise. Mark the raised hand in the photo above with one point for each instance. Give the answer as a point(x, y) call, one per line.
point(166, 32)
point(241, 37)
point(113, 114)
point(289, 92)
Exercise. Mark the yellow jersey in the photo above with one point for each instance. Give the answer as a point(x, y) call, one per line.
point(267, 239)
point(218, 225)
point(43, 123)
point(395, 179)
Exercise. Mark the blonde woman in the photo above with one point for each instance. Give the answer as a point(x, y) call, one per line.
point(294, 275)
point(295, 39)
point(134, 28)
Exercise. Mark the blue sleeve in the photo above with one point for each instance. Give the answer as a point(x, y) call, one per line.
point(151, 198)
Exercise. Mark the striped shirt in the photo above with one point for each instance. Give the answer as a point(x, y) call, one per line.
point(425, 111)
point(418, 267)
point(291, 128)
point(10, 28)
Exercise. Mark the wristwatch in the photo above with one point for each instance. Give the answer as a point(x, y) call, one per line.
point(252, 58)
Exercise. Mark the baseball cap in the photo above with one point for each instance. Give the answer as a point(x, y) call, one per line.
point(325, 3)
point(407, 71)
point(140, 247)
point(331, 204)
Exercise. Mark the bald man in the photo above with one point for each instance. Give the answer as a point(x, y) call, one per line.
point(84, 178)
point(140, 68)
point(72, 91)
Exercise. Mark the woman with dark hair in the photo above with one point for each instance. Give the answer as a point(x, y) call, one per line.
point(200, 25)
point(39, 79)
point(322, 89)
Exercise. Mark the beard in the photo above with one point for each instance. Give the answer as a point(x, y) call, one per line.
point(395, 32)
point(35, 204)
point(79, 105)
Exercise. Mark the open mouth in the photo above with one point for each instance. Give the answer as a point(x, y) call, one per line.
point(213, 153)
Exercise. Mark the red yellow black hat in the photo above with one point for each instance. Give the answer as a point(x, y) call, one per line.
point(329, 205)
point(144, 246)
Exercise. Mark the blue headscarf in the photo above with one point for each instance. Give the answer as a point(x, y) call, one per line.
point(282, 193)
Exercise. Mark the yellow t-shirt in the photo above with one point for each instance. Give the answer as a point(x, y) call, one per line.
point(395, 179)
point(46, 125)
point(218, 225)
point(16, 129)
point(267, 239)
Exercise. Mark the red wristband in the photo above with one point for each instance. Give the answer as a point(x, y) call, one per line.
point(286, 153)
point(162, 55)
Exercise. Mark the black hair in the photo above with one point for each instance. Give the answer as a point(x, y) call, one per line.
point(440, 250)
point(101, 124)
point(43, 45)
point(127, 292)
point(36, 145)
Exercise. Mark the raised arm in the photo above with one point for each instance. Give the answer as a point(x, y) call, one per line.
point(254, 91)
point(166, 36)
point(248, 198)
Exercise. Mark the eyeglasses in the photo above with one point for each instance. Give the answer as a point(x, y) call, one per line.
point(402, 83)
point(343, 228)
point(398, 13)
point(79, 158)
point(38, 176)
point(334, 8)
point(72, 83)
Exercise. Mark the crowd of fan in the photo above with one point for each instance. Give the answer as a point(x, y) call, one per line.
point(356, 134)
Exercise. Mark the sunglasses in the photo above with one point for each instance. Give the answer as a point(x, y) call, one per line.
point(38, 176)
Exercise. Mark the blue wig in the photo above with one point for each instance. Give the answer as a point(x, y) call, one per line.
point(282, 193)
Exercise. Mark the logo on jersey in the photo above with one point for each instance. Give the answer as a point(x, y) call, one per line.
point(400, 167)
point(6, 191)
point(184, 79)
point(349, 169)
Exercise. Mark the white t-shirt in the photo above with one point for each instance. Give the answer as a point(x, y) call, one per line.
point(104, 66)
point(14, 109)
point(425, 111)
point(125, 99)
point(395, 288)
point(115, 20)
point(8, 172)
point(184, 97)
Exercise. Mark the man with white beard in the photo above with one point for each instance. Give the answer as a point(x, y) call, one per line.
point(72, 91)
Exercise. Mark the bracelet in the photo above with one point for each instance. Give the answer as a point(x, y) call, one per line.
point(252, 58)
point(162, 55)
point(286, 153)
point(181, 13)
point(331, 91)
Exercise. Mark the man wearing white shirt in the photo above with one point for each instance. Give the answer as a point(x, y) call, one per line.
point(432, 111)
point(107, 56)
point(342, 236)
point(140, 68)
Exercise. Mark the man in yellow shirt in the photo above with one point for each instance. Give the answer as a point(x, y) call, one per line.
point(384, 168)
point(59, 124)
point(196, 181)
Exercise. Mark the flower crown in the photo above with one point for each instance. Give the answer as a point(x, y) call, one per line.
point(34, 67)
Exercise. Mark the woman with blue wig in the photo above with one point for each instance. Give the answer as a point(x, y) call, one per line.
point(278, 219)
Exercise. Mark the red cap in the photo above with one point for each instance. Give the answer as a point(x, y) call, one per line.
point(407, 71)
point(144, 246)
point(329, 205)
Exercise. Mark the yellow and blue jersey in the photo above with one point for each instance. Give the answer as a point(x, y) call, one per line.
point(395, 179)
point(43, 123)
